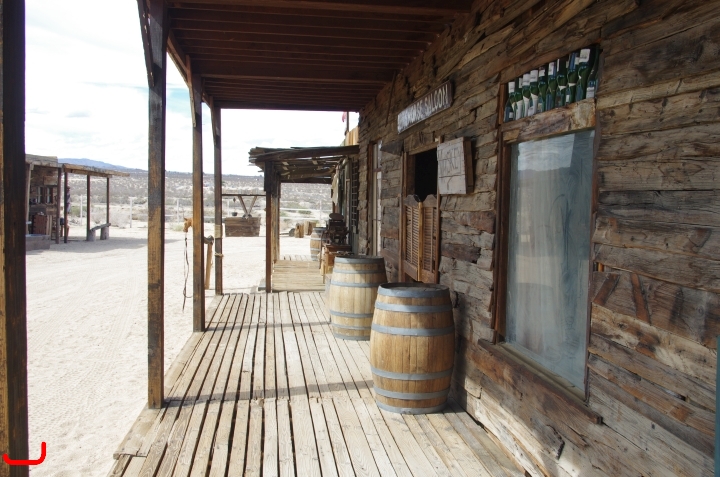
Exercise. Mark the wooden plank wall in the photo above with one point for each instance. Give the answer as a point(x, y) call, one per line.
point(656, 306)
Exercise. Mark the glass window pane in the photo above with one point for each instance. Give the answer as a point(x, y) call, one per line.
point(549, 252)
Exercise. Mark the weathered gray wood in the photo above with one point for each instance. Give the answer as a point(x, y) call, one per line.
point(217, 164)
point(198, 206)
point(13, 215)
point(653, 174)
point(156, 204)
point(684, 311)
point(701, 207)
point(675, 238)
point(687, 271)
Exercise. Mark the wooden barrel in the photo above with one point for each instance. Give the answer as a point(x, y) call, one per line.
point(316, 242)
point(353, 290)
point(412, 347)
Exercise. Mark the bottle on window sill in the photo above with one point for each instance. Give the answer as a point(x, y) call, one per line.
point(510, 104)
point(572, 76)
point(527, 99)
point(552, 86)
point(583, 73)
point(542, 90)
point(592, 76)
point(534, 93)
point(519, 104)
point(562, 81)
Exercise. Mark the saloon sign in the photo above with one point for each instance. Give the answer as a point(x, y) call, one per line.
point(432, 103)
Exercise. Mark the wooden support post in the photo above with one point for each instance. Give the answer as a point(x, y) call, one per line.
point(28, 175)
point(269, 186)
point(198, 209)
point(107, 200)
point(58, 204)
point(87, 211)
point(13, 218)
point(66, 206)
point(216, 130)
point(155, 23)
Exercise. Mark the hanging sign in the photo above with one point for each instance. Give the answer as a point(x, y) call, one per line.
point(455, 175)
point(430, 104)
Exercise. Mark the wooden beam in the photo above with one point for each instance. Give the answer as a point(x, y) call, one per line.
point(217, 149)
point(145, 35)
point(185, 36)
point(286, 106)
point(13, 307)
point(330, 50)
point(58, 204)
point(308, 153)
point(107, 200)
point(198, 209)
point(269, 186)
point(87, 210)
point(395, 7)
point(66, 202)
point(296, 28)
point(314, 13)
point(156, 205)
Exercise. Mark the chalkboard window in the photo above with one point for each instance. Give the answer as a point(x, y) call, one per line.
point(549, 252)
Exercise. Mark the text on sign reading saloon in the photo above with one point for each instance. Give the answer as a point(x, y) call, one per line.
point(432, 103)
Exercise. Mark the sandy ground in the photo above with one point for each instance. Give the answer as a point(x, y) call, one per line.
point(87, 337)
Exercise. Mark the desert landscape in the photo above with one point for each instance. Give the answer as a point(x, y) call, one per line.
point(87, 328)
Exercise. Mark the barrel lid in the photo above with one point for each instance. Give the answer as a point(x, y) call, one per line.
point(413, 290)
point(359, 259)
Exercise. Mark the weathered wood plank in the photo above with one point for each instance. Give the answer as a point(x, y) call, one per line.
point(676, 238)
point(285, 451)
point(667, 450)
point(700, 207)
point(685, 174)
point(692, 141)
point(682, 419)
point(671, 350)
point(690, 388)
point(692, 272)
point(687, 312)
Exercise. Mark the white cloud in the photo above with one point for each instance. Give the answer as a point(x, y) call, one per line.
point(87, 96)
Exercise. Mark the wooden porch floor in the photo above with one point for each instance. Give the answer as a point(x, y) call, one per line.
point(267, 390)
point(297, 273)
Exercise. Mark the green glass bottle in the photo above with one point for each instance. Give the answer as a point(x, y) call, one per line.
point(527, 99)
point(572, 78)
point(592, 76)
point(510, 104)
point(519, 105)
point(562, 82)
point(542, 90)
point(583, 73)
point(552, 86)
point(534, 92)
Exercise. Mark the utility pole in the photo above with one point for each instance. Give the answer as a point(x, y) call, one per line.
point(131, 210)
point(177, 209)
point(81, 209)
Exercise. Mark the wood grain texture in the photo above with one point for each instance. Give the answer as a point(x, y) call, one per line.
point(156, 203)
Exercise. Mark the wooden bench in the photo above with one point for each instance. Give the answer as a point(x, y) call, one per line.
point(104, 232)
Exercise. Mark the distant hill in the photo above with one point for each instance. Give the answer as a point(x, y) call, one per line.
point(100, 164)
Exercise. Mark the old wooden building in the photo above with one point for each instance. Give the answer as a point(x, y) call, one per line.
point(580, 244)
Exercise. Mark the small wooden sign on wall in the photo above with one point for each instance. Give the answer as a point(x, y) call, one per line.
point(455, 174)
point(435, 101)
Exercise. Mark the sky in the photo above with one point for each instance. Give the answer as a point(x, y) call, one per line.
point(86, 90)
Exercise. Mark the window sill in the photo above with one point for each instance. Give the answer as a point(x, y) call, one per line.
point(506, 357)
point(573, 117)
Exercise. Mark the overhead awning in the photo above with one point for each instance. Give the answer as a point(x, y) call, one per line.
point(301, 54)
point(307, 165)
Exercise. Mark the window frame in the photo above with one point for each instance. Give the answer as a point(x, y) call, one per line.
point(577, 117)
